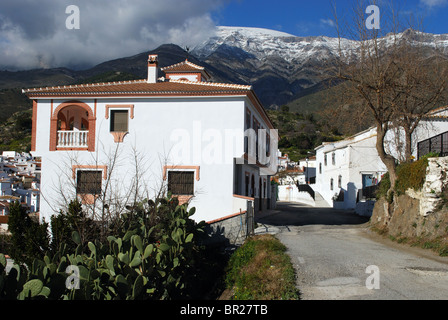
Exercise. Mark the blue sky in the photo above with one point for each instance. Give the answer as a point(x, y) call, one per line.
point(311, 18)
point(34, 34)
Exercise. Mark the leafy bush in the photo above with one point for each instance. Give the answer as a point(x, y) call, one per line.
point(29, 238)
point(410, 175)
point(65, 223)
point(131, 265)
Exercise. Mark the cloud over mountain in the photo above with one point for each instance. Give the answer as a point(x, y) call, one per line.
point(33, 34)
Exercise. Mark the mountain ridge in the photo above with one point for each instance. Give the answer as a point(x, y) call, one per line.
point(281, 67)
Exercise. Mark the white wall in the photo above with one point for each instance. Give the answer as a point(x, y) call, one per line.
point(291, 194)
point(354, 157)
point(164, 131)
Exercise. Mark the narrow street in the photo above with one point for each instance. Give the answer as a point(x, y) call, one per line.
point(337, 258)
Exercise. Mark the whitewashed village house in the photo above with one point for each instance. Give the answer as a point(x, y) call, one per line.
point(180, 130)
point(431, 135)
point(345, 168)
point(19, 181)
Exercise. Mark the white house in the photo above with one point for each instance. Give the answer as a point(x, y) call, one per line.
point(203, 141)
point(346, 167)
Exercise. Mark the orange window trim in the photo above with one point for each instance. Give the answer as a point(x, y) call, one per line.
point(34, 128)
point(89, 167)
point(120, 106)
point(166, 168)
point(54, 124)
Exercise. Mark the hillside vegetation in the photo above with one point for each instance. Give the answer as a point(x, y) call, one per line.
point(301, 133)
point(15, 132)
point(261, 270)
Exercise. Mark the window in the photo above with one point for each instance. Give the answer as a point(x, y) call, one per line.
point(320, 167)
point(331, 184)
point(340, 182)
point(88, 182)
point(325, 160)
point(333, 158)
point(181, 182)
point(119, 120)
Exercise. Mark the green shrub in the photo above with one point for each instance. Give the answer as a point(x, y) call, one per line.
point(129, 266)
point(261, 270)
point(29, 238)
point(410, 175)
point(5, 243)
point(384, 186)
point(65, 223)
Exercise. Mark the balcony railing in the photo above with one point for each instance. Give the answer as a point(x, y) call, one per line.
point(72, 139)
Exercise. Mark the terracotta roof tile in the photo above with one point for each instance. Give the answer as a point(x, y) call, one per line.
point(140, 88)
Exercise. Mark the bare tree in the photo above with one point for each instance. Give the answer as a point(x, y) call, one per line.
point(388, 72)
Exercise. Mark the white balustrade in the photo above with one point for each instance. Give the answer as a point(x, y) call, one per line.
point(72, 139)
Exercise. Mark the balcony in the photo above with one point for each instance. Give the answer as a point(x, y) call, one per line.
point(72, 139)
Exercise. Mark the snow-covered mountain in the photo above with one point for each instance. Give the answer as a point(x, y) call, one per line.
point(264, 42)
point(283, 67)
point(280, 66)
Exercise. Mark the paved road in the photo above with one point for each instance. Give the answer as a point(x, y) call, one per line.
point(337, 258)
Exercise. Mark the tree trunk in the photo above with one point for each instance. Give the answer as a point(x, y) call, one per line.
point(408, 145)
point(387, 159)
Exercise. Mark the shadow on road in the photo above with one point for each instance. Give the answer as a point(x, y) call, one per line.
point(296, 214)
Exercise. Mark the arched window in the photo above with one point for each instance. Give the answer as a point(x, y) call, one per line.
point(72, 127)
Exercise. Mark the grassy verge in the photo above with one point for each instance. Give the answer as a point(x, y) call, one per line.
point(438, 245)
point(261, 270)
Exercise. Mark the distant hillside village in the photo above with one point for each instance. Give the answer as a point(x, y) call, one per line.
point(19, 181)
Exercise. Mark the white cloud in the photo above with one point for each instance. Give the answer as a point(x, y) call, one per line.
point(34, 34)
point(434, 3)
point(327, 22)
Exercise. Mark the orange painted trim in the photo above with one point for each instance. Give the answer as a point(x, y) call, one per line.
point(166, 168)
point(243, 197)
point(54, 125)
point(94, 167)
point(88, 199)
point(120, 106)
point(34, 126)
point(83, 105)
point(226, 217)
point(119, 136)
point(182, 198)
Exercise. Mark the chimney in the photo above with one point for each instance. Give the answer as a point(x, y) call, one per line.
point(153, 67)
